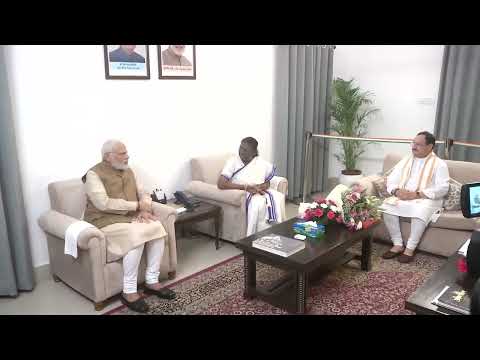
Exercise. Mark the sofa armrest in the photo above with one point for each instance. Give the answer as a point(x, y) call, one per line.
point(56, 223)
point(164, 213)
point(367, 183)
point(280, 184)
point(168, 216)
point(209, 191)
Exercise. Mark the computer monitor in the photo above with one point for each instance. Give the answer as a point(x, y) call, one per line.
point(470, 200)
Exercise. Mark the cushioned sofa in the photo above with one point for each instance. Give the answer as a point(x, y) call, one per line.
point(96, 273)
point(450, 231)
point(205, 173)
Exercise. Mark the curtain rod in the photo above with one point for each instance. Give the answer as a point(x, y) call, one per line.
point(381, 139)
point(398, 140)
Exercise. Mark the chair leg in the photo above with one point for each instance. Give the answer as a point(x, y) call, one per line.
point(56, 278)
point(171, 275)
point(99, 305)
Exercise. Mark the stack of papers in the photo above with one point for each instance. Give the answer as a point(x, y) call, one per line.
point(181, 210)
point(463, 250)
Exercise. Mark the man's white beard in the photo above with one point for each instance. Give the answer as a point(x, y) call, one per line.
point(119, 166)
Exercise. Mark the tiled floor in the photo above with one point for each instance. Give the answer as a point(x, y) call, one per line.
point(49, 297)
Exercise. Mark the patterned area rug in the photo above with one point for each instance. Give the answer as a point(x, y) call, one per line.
point(346, 290)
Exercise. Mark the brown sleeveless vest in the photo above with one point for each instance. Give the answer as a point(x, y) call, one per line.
point(119, 184)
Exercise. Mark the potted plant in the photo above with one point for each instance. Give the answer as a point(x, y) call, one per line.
point(350, 112)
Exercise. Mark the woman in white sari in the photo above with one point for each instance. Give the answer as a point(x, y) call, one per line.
point(250, 173)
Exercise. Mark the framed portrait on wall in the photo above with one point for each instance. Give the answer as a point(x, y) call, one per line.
point(176, 62)
point(126, 62)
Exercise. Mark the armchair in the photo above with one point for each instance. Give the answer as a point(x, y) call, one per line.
point(205, 173)
point(94, 273)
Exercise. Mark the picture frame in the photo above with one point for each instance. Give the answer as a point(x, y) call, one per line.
point(127, 62)
point(177, 62)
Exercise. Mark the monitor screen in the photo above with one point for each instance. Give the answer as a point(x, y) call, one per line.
point(475, 200)
point(470, 200)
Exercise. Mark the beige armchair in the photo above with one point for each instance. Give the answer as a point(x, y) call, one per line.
point(92, 273)
point(205, 173)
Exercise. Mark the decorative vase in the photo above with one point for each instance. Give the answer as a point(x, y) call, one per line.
point(349, 177)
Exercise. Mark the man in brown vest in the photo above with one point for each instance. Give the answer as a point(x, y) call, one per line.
point(118, 206)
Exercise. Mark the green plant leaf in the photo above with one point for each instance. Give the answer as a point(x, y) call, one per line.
point(350, 111)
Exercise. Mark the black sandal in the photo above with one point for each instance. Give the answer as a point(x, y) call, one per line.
point(138, 305)
point(163, 293)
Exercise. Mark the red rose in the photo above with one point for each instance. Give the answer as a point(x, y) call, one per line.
point(331, 215)
point(318, 212)
point(366, 224)
point(308, 215)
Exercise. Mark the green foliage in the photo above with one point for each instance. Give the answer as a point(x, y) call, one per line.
point(350, 111)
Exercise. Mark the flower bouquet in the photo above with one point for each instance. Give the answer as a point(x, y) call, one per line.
point(322, 211)
point(316, 216)
point(359, 210)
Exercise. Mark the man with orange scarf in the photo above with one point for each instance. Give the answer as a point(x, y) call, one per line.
point(418, 184)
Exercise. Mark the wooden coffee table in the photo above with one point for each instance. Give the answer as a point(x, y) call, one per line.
point(202, 212)
point(319, 256)
point(420, 301)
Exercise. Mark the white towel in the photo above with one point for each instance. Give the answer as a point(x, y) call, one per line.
point(71, 236)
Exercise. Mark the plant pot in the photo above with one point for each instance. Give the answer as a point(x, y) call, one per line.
point(349, 177)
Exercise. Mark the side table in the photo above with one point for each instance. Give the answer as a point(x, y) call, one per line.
point(203, 211)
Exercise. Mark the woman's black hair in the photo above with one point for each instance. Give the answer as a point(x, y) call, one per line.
point(252, 142)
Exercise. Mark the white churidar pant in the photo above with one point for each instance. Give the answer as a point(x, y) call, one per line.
point(392, 222)
point(131, 262)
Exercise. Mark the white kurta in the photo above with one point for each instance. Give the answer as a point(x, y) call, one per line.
point(261, 209)
point(424, 209)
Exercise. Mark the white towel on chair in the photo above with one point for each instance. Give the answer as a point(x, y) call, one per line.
point(71, 236)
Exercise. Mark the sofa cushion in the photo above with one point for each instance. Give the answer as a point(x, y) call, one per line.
point(366, 182)
point(452, 199)
point(454, 220)
point(208, 168)
point(68, 197)
point(381, 187)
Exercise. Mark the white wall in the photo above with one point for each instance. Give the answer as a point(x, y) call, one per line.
point(405, 82)
point(64, 110)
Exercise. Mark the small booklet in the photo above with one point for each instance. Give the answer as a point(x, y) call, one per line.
point(455, 298)
point(278, 244)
